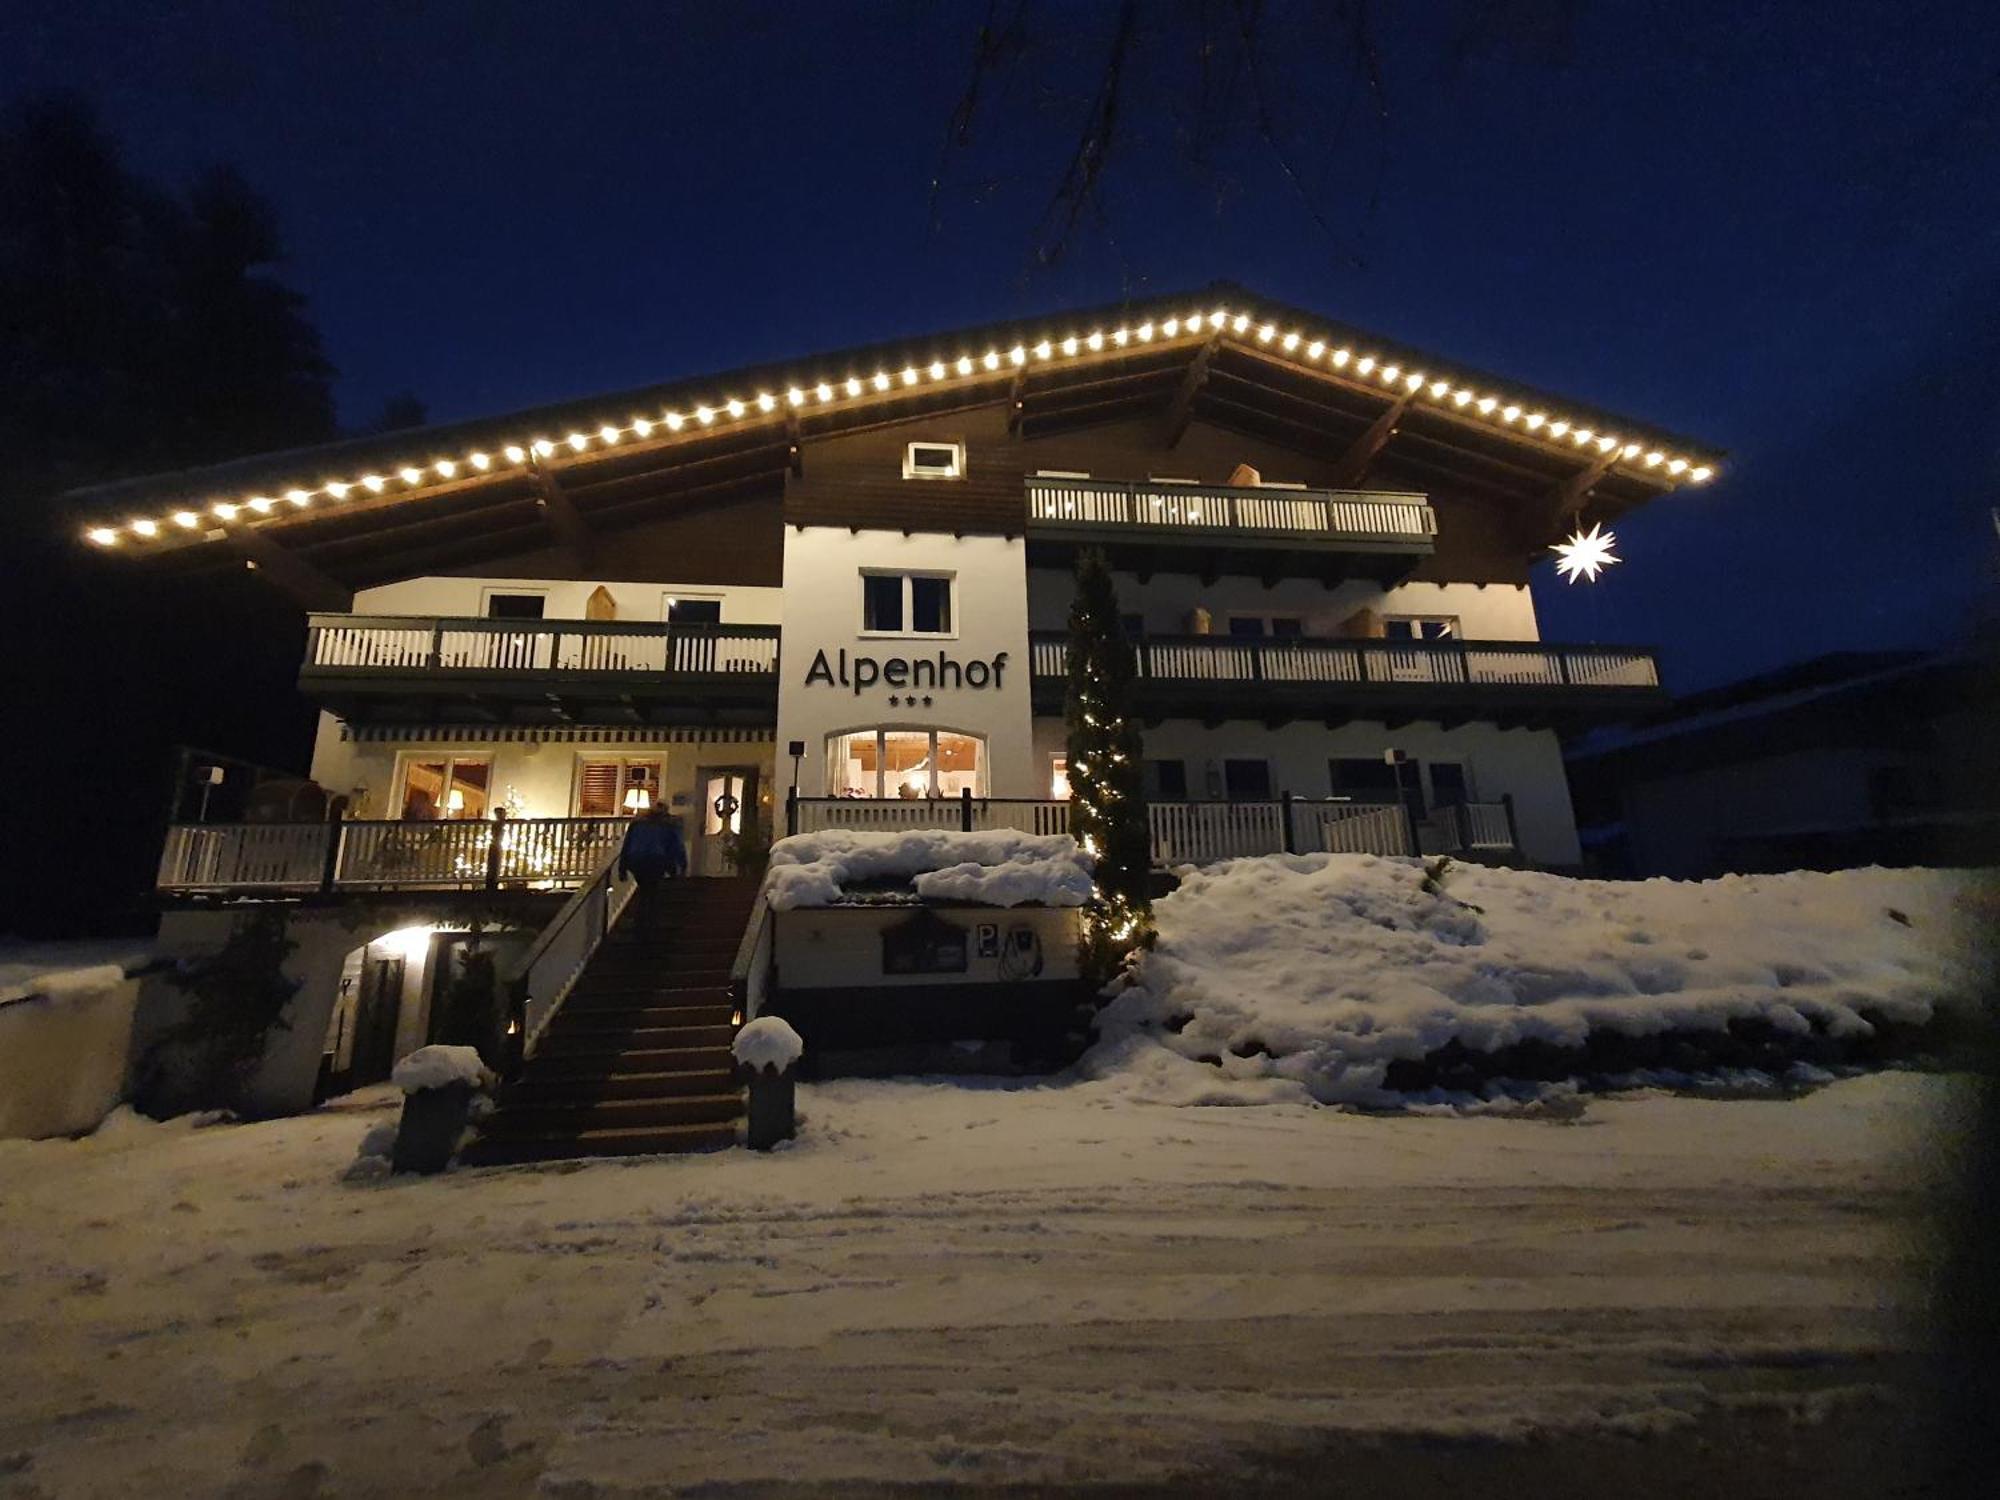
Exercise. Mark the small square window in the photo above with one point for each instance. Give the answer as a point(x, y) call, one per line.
point(1166, 780)
point(906, 603)
point(515, 606)
point(1247, 780)
point(694, 611)
point(934, 461)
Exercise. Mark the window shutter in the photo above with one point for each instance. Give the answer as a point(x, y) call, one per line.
point(597, 789)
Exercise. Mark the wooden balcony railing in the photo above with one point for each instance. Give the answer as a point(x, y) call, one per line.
point(1185, 833)
point(1208, 513)
point(1298, 661)
point(450, 854)
point(361, 647)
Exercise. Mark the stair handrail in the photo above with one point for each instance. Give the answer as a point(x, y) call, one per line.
point(561, 952)
point(750, 971)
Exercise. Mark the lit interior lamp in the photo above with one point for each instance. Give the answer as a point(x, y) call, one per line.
point(637, 799)
point(454, 802)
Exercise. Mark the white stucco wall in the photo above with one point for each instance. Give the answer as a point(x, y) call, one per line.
point(1486, 612)
point(1524, 763)
point(742, 604)
point(823, 569)
point(837, 948)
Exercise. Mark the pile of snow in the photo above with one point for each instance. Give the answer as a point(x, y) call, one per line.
point(66, 1018)
point(1000, 868)
point(438, 1067)
point(767, 1042)
point(1296, 976)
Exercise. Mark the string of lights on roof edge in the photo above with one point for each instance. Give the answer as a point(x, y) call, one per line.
point(519, 454)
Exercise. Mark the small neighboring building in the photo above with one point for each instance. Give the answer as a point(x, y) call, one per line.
point(1854, 758)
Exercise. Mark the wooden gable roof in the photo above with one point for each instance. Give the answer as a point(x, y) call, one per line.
point(360, 511)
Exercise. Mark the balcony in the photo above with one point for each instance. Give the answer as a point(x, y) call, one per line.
point(470, 854)
point(412, 669)
point(1194, 833)
point(1279, 680)
point(1215, 529)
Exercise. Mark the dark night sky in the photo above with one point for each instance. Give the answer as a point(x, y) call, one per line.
point(1774, 228)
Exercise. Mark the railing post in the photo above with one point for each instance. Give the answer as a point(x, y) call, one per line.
point(437, 644)
point(791, 810)
point(1462, 816)
point(493, 849)
point(1285, 811)
point(329, 867)
point(1513, 833)
point(965, 809)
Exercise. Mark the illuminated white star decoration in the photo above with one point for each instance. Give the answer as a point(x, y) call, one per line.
point(1586, 554)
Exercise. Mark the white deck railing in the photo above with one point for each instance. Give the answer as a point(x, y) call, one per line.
point(447, 854)
point(1212, 511)
point(360, 645)
point(1309, 661)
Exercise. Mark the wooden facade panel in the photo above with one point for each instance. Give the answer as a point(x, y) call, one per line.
point(739, 542)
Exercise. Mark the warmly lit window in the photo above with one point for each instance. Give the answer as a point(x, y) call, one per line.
point(1420, 627)
point(446, 787)
point(906, 603)
point(1059, 777)
point(934, 461)
point(908, 763)
point(611, 787)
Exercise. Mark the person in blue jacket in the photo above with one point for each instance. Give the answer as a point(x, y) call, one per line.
point(653, 850)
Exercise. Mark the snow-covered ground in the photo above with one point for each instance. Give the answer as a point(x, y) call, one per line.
point(1003, 867)
point(1308, 976)
point(954, 1283)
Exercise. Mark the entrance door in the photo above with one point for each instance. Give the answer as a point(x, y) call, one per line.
point(375, 1015)
point(728, 807)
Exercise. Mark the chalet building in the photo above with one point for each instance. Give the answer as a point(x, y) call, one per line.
point(832, 593)
point(1854, 758)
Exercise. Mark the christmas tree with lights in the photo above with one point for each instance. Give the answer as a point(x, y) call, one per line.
point(1107, 811)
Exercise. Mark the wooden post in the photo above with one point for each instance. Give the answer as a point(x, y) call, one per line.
point(965, 809)
point(792, 808)
point(493, 849)
point(1291, 841)
point(329, 868)
point(1513, 832)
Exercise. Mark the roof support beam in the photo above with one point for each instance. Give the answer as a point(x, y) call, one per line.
point(1016, 406)
point(1567, 498)
point(1352, 466)
point(286, 570)
point(572, 532)
point(1181, 412)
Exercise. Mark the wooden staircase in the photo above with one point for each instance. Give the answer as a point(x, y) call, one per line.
point(637, 1059)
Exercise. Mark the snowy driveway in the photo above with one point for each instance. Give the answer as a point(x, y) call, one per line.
point(947, 1284)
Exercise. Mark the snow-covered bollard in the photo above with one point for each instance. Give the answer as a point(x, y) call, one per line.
point(438, 1084)
point(768, 1050)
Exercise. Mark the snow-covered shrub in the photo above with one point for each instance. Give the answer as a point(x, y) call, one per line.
point(1333, 976)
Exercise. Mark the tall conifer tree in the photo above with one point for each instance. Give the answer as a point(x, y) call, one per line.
point(1107, 789)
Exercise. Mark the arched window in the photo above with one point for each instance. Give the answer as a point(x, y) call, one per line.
point(907, 763)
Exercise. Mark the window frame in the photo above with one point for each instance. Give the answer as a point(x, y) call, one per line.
point(451, 761)
point(493, 591)
point(1452, 630)
point(656, 760)
point(1270, 782)
point(1266, 624)
point(669, 601)
point(981, 774)
point(948, 576)
point(956, 447)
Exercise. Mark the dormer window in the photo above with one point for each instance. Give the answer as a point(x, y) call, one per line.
point(930, 460)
